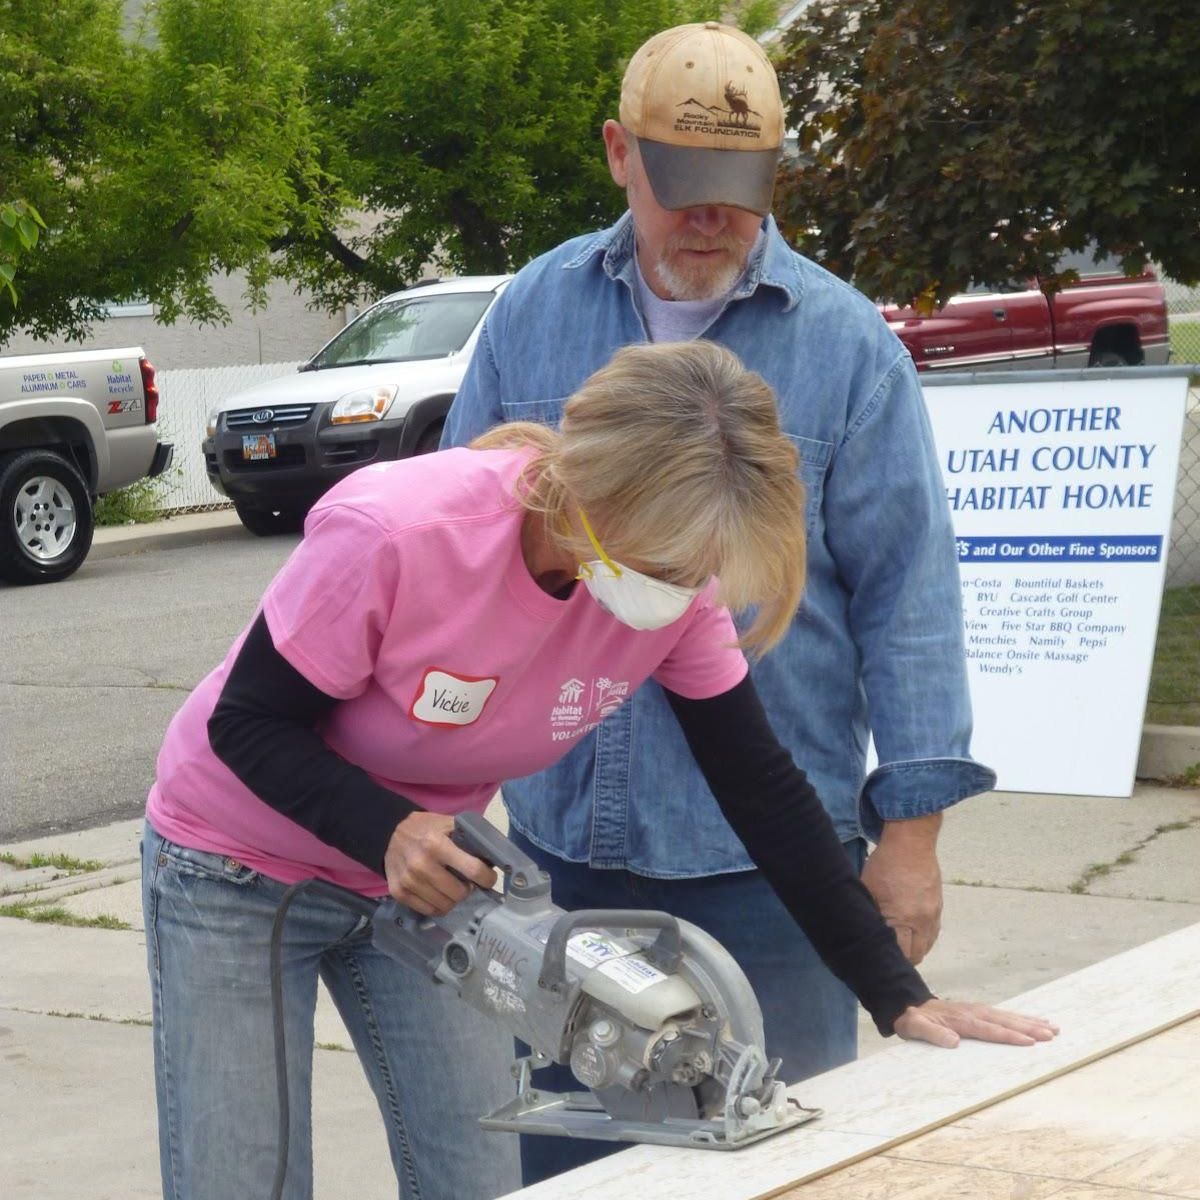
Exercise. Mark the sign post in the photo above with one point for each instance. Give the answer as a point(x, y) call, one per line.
point(1061, 487)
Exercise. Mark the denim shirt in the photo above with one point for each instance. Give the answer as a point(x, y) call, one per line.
point(877, 646)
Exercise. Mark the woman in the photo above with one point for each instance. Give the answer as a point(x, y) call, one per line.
point(449, 622)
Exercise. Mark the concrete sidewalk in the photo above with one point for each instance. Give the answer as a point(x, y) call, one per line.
point(1037, 887)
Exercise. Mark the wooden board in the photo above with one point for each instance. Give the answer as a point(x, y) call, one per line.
point(1124, 1126)
point(910, 1089)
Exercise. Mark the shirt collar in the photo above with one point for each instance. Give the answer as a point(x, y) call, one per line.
point(773, 264)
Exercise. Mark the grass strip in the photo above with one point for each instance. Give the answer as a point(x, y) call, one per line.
point(1185, 341)
point(45, 914)
point(60, 862)
point(1175, 675)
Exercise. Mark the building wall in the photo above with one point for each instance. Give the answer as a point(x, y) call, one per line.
point(285, 330)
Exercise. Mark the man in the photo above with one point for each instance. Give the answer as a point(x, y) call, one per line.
point(877, 646)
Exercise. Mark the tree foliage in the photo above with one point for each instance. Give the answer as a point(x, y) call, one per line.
point(20, 227)
point(469, 131)
point(942, 141)
point(342, 144)
point(54, 100)
point(154, 164)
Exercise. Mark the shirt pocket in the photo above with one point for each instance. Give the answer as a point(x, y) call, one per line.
point(815, 457)
point(544, 412)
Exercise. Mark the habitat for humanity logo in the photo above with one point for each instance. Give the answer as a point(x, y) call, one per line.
point(732, 119)
point(582, 706)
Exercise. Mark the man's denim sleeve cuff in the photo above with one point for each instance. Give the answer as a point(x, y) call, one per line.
point(901, 790)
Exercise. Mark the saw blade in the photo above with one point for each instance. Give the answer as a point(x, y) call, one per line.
point(656, 1103)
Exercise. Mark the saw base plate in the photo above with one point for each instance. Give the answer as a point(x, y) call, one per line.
point(579, 1115)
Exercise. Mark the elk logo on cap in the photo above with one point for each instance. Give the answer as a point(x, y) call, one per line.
point(738, 108)
point(732, 119)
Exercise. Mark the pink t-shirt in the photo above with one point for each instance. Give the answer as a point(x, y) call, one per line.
point(409, 600)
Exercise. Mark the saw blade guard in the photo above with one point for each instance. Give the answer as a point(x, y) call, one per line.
point(704, 1060)
point(715, 975)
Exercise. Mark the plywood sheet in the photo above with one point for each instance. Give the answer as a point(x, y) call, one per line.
point(903, 1092)
point(1129, 1122)
point(883, 1178)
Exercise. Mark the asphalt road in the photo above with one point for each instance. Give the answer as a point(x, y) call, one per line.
point(93, 669)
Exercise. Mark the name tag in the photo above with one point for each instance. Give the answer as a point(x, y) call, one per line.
point(451, 700)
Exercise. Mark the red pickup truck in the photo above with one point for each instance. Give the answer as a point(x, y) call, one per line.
point(1103, 320)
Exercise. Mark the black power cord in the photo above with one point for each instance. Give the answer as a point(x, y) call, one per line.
point(347, 899)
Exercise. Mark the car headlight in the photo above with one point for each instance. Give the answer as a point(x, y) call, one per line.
point(210, 424)
point(366, 404)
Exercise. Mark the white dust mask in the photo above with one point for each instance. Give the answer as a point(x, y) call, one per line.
point(634, 599)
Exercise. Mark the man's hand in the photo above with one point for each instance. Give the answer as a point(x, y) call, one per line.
point(945, 1022)
point(903, 875)
point(423, 865)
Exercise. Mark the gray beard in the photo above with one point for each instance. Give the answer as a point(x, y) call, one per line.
point(695, 286)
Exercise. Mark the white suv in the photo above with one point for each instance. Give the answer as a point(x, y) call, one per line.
point(380, 389)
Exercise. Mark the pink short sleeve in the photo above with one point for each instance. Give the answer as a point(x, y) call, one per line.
point(706, 661)
point(328, 607)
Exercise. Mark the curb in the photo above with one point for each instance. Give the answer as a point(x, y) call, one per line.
point(114, 541)
point(1167, 751)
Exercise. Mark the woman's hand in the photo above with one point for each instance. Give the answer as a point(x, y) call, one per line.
point(425, 870)
point(946, 1022)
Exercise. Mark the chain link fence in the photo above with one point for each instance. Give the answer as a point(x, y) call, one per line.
point(1183, 311)
point(185, 400)
point(1175, 681)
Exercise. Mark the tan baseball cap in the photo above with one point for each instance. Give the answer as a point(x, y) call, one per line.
point(704, 105)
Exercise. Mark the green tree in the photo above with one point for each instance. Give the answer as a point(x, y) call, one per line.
point(469, 131)
point(341, 144)
point(947, 140)
point(20, 227)
point(54, 60)
point(154, 165)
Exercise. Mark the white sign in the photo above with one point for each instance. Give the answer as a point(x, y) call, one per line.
point(1061, 495)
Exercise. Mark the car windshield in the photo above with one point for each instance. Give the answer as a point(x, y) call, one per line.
point(407, 328)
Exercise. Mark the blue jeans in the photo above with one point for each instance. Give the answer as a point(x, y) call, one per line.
point(435, 1065)
point(810, 1017)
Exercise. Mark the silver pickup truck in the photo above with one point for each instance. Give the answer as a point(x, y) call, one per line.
point(72, 427)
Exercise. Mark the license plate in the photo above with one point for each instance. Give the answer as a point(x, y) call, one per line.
point(257, 446)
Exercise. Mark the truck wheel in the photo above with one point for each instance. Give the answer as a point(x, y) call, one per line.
point(266, 522)
point(45, 517)
point(1108, 358)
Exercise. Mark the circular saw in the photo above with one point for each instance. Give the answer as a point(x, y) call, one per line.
point(653, 1016)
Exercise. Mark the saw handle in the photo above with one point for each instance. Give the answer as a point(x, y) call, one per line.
point(665, 951)
point(475, 834)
